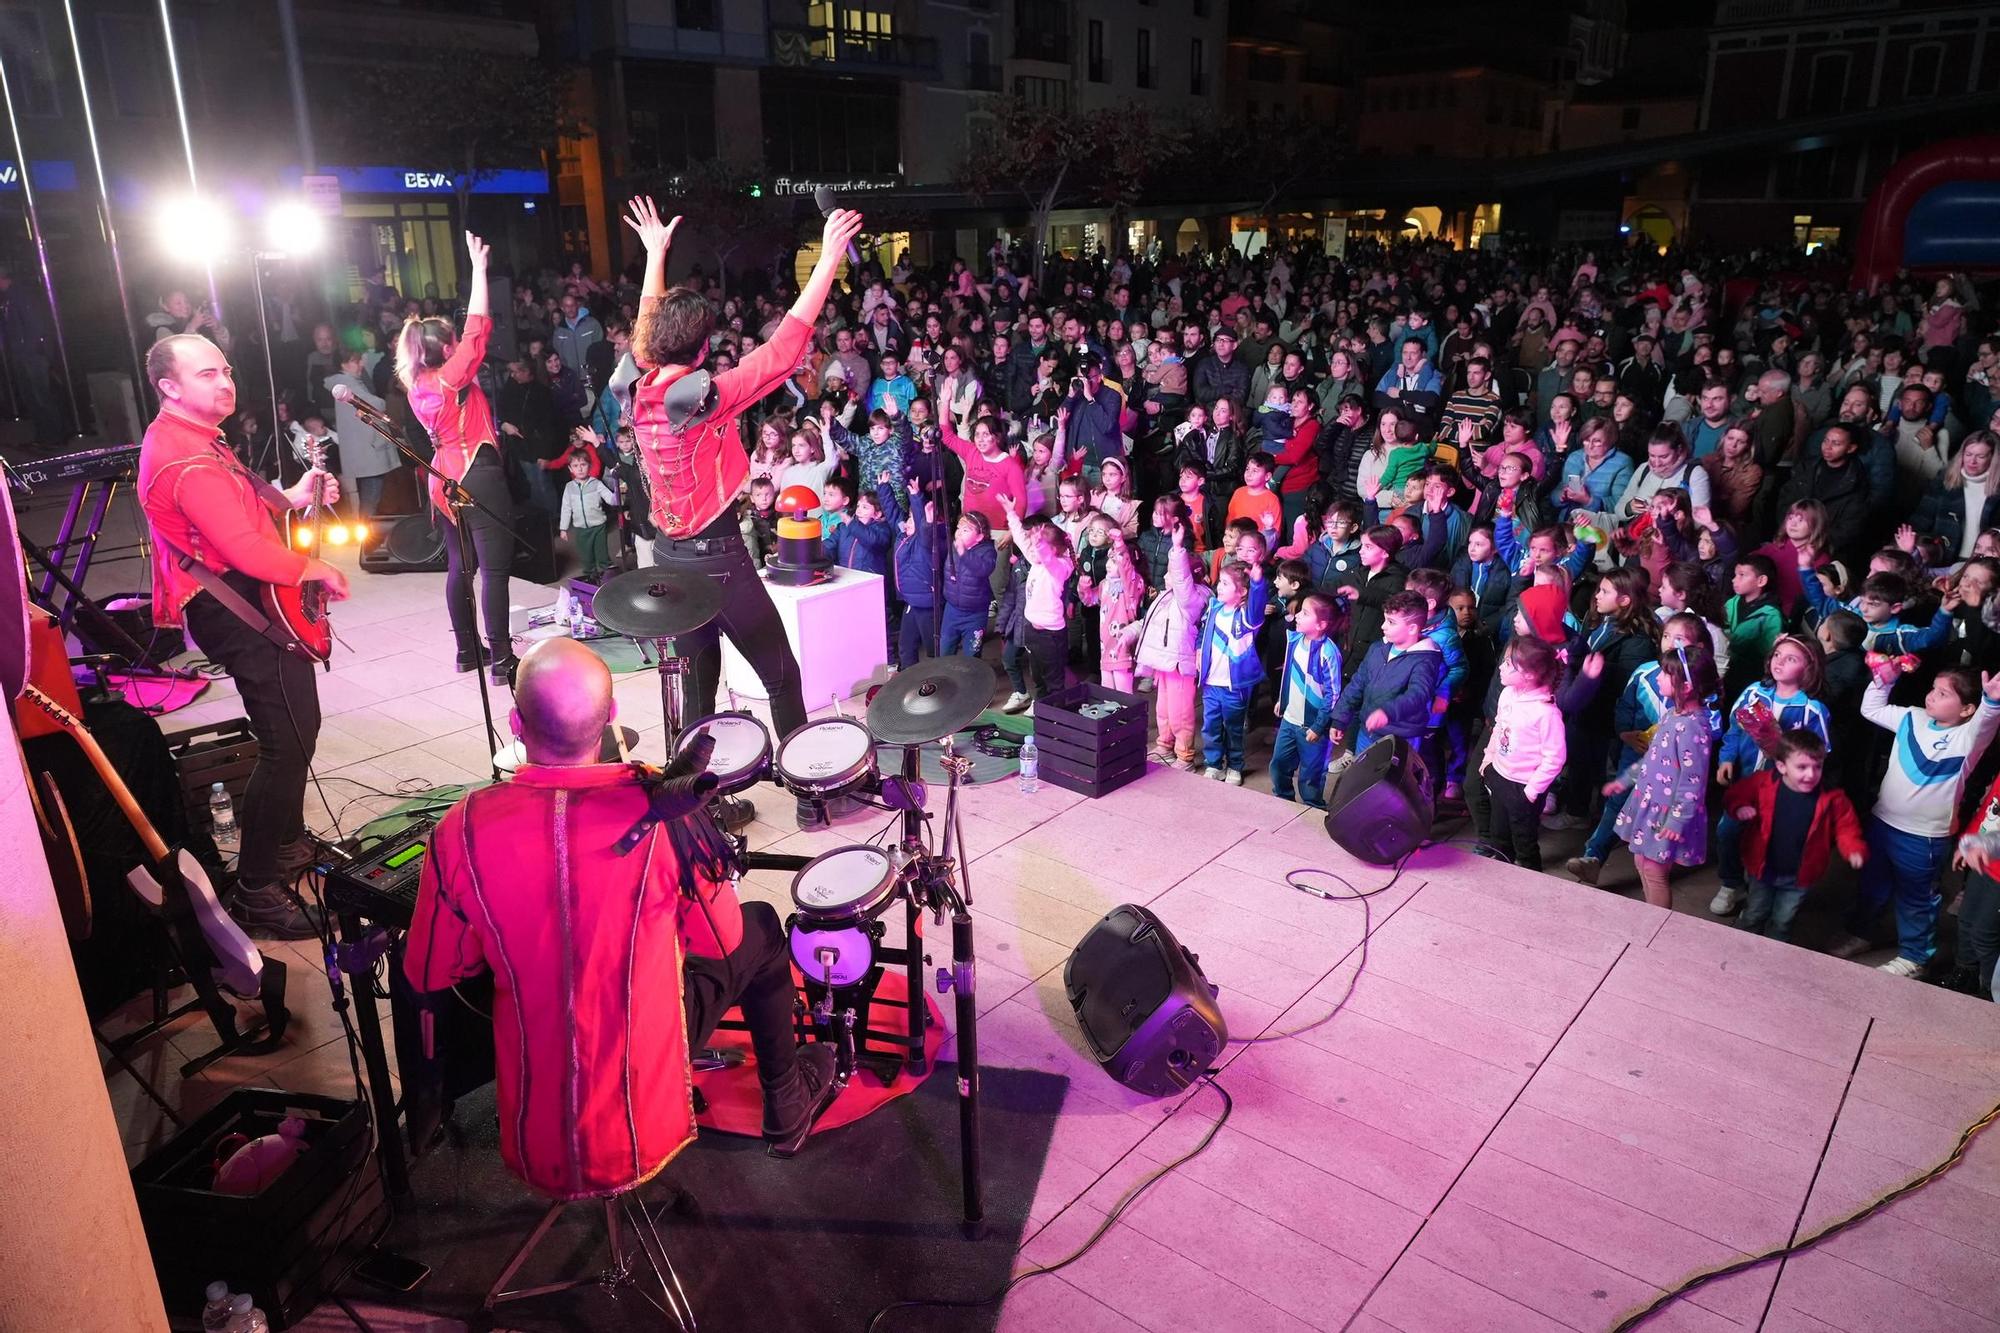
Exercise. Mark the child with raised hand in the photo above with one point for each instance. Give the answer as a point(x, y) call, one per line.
point(1228, 666)
point(1793, 826)
point(1525, 753)
point(1308, 685)
point(1666, 821)
point(1169, 648)
point(883, 448)
point(912, 571)
point(1619, 629)
point(1782, 700)
point(1909, 833)
point(1117, 597)
point(968, 586)
point(1880, 606)
point(1481, 572)
point(1391, 692)
point(1044, 609)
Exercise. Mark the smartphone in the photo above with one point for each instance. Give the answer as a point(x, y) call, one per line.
point(393, 1272)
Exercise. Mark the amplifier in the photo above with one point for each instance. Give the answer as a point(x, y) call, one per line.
point(381, 884)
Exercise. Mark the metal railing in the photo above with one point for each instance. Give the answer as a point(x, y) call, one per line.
point(793, 45)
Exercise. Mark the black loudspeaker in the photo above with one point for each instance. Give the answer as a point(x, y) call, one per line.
point(536, 560)
point(403, 544)
point(1148, 1013)
point(1380, 809)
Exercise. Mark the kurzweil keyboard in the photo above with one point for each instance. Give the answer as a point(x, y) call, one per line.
point(77, 469)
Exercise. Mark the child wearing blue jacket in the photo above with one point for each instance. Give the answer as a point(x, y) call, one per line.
point(913, 572)
point(1228, 666)
point(968, 584)
point(863, 542)
point(1390, 693)
point(1880, 606)
point(1307, 688)
point(1793, 674)
point(1481, 572)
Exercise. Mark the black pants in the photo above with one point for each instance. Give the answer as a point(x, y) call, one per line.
point(1516, 821)
point(492, 554)
point(1979, 927)
point(758, 976)
point(747, 617)
point(914, 640)
point(1048, 657)
point(281, 701)
point(1478, 799)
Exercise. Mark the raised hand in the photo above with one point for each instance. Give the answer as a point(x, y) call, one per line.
point(479, 250)
point(842, 226)
point(1990, 682)
point(643, 217)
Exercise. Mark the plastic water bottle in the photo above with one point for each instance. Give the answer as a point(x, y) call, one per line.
point(221, 814)
point(576, 619)
point(215, 1314)
point(245, 1317)
point(1031, 763)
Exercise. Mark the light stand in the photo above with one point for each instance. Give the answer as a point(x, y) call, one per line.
point(257, 258)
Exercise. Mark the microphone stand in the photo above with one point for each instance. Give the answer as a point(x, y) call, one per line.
point(460, 499)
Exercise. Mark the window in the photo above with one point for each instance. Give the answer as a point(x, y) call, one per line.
point(29, 71)
point(816, 126)
point(1042, 92)
point(1041, 30)
point(670, 115)
point(1146, 74)
point(1098, 68)
point(1628, 119)
point(1923, 71)
point(1827, 89)
point(134, 65)
point(1197, 68)
point(698, 15)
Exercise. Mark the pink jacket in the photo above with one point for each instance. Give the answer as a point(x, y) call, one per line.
point(1527, 745)
point(1170, 631)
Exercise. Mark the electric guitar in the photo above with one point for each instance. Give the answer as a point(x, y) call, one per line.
point(299, 614)
point(172, 881)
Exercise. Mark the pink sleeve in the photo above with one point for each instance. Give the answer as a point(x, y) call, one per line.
point(460, 368)
point(768, 366)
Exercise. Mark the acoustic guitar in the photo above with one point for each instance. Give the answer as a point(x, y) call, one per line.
point(171, 881)
point(300, 614)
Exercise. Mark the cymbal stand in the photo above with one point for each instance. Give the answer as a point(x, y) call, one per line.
point(673, 691)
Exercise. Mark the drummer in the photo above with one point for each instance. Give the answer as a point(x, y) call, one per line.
point(509, 859)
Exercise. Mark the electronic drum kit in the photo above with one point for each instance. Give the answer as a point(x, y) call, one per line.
point(841, 898)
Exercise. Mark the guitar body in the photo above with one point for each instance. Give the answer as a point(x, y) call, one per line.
point(301, 613)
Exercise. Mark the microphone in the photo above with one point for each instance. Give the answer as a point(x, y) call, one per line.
point(823, 200)
point(367, 411)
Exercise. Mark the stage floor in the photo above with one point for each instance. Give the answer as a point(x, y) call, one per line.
point(1542, 1104)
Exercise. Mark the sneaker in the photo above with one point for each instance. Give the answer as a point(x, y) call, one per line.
point(1727, 901)
point(1454, 791)
point(1901, 967)
point(1213, 773)
point(1015, 702)
point(1234, 777)
point(1184, 765)
point(1156, 755)
point(819, 1088)
point(1340, 763)
point(731, 813)
point(1560, 822)
point(1585, 868)
point(269, 912)
point(1850, 946)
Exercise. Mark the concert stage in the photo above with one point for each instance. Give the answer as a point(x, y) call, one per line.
point(1542, 1104)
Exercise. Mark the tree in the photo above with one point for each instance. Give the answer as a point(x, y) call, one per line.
point(1052, 157)
point(724, 202)
point(469, 115)
point(1265, 159)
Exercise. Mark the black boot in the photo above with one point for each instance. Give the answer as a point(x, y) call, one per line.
point(791, 1113)
point(270, 912)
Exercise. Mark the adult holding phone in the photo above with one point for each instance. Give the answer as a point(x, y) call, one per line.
point(685, 421)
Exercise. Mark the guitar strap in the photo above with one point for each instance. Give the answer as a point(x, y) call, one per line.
point(232, 601)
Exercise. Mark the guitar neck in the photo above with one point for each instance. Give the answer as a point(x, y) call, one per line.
point(156, 846)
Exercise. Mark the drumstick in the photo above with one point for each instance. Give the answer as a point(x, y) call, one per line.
point(618, 739)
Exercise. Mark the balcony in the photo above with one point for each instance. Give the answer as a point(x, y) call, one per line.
point(853, 52)
point(1041, 31)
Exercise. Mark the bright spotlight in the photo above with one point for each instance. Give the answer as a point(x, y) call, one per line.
point(359, 532)
point(336, 534)
point(194, 229)
point(303, 539)
point(294, 228)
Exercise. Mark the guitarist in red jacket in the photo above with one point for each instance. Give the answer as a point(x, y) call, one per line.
point(214, 543)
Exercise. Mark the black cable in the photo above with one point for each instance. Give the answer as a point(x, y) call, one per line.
point(1831, 1229)
point(1110, 1219)
point(1353, 894)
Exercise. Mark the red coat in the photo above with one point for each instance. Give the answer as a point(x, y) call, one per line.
point(586, 949)
point(453, 408)
point(1834, 825)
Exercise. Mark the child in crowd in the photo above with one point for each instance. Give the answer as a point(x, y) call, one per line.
point(1228, 666)
point(1782, 700)
point(1909, 832)
point(760, 521)
point(1462, 713)
point(1880, 606)
point(883, 449)
point(1844, 671)
point(1043, 606)
point(833, 507)
point(1751, 619)
point(1072, 514)
point(912, 571)
point(1336, 555)
point(1292, 580)
point(1441, 628)
point(1619, 630)
point(1010, 624)
point(865, 542)
point(1525, 754)
point(1255, 500)
point(1117, 598)
point(1666, 821)
point(1044, 474)
point(1364, 597)
point(1274, 419)
point(1391, 692)
point(1309, 685)
point(1189, 486)
point(968, 585)
point(1112, 496)
point(1684, 589)
point(1481, 572)
point(1792, 828)
point(1169, 648)
point(1156, 542)
point(586, 521)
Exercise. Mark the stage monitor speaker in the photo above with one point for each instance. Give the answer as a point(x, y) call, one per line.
point(536, 561)
point(1148, 1013)
point(1380, 808)
point(403, 544)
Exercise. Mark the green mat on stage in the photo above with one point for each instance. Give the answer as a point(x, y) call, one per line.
point(1007, 731)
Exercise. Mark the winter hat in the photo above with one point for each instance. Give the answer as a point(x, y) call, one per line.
point(1544, 605)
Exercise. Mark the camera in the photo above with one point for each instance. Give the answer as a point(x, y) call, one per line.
point(1076, 384)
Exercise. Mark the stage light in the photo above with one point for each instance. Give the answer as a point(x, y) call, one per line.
point(336, 534)
point(359, 532)
point(303, 538)
point(293, 227)
point(194, 229)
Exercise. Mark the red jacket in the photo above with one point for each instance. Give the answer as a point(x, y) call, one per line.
point(452, 408)
point(1834, 824)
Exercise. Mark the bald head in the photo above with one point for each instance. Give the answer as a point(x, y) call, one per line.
point(562, 701)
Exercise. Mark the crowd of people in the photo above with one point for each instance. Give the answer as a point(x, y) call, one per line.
point(1609, 539)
